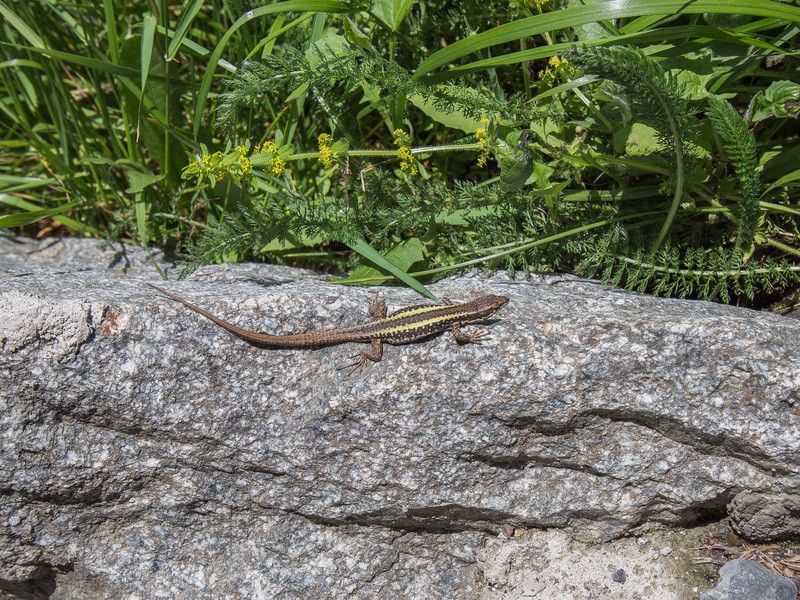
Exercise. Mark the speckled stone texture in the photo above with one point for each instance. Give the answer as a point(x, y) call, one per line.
point(749, 580)
point(766, 517)
point(145, 452)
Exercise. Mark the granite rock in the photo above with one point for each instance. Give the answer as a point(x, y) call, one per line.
point(766, 517)
point(145, 452)
point(750, 580)
point(551, 564)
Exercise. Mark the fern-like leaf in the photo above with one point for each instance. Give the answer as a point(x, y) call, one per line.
point(740, 146)
point(654, 98)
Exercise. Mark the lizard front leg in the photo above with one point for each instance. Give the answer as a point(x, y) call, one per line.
point(473, 337)
point(360, 359)
point(376, 309)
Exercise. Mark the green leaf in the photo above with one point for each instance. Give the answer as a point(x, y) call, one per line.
point(328, 48)
point(597, 12)
point(17, 202)
point(355, 36)
point(334, 6)
point(396, 262)
point(516, 165)
point(142, 106)
point(138, 179)
point(780, 100)
point(183, 27)
point(18, 220)
point(392, 12)
point(148, 36)
point(637, 139)
point(140, 211)
point(19, 24)
point(455, 119)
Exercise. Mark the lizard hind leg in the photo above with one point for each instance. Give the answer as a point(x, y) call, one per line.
point(360, 359)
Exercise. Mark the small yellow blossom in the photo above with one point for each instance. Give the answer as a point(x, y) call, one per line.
point(407, 160)
point(278, 166)
point(269, 146)
point(245, 165)
point(326, 155)
point(557, 69)
point(482, 135)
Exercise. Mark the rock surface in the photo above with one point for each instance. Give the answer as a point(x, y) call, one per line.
point(552, 565)
point(749, 580)
point(766, 517)
point(146, 452)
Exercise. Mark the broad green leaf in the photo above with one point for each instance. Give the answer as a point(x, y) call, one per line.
point(455, 119)
point(138, 180)
point(515, 171)
point(329, 47)
point(778, 100)
point(392, 12)
point(355, 36)
point(637, 139)
point(515, 156)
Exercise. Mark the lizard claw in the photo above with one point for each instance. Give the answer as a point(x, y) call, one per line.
point(359, 360)
point(476, 337)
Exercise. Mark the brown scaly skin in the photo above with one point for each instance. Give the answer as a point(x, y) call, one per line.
point(401, 327)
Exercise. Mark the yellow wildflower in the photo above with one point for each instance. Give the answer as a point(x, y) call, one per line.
point(269, 146)
point(278, 165)
point(407, 160)
point(482, 135)
point(326, 155)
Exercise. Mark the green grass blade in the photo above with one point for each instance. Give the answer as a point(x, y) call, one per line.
point(591, 13)
point(113, 38)
point(19, 24)
point(183, 27)
point(103, 66)
point(26, 218)
point(148, 36)
point(700, 34)
point(375, 257)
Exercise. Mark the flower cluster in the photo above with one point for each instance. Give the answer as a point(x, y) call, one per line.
point(276, 165)
point(484, 139)
point(557, 69)
point(237, 164)
point(245, 166)
point(326, 155)
point(407, 160)
point(207, 166)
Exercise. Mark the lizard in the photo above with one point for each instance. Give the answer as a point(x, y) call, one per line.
point(403, 326)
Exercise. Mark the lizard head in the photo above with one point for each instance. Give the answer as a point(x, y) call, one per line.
point(487, 305)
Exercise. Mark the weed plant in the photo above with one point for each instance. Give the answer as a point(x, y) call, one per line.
point(652, 143)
